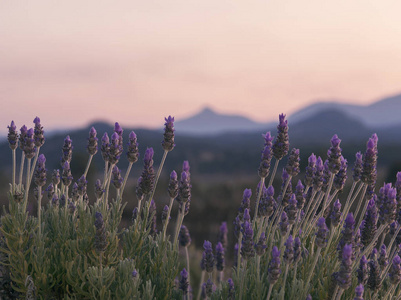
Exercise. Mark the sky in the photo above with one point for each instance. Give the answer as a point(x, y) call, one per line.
point(136, 62)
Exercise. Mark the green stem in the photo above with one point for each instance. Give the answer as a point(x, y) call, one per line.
point(313, 267)
point(126, 178)
point(27, 183)
point(255, 216)
point(200, 284)
point(270, 291)
point(188, 270)
point(21, 169)
point(335, 293)
point(340, 293)
point(274, 172)
point(34, 164)
point(152, 193)
point(239, 254)
point(242, 278)
point(180, 218)
point(285, 279)
point(40, 210)
point(88, 164)
point(14, 167)
point(359, 205)
point(168, 218)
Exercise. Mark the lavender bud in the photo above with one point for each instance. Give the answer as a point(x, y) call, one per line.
point(231, 289)
point(105, 147)
point(92, 142)
point(184, 284)
point(223, 235)
point(388, 207)
point(322, 233)
point(284, 224)
point(369, 171)
point(359, 292)
point(208, 257)
point(134, 274)
point(247, 249)
point(100, 243)
point(115, 149)
point(274, 270)
point(40, 171)
point(66, 176)
point(184, 189)
point(297, 250)
point(220, 262)
point(116, 179)
point(363, 271)
point(54, 200)
point(168, 141)
point(284, 198)
point(310, 170)
point(260, 246)
point(237, 226)
point(133, 152)
point(344, 278)
point(334, 155)
point(246, 202)
point(291, 210)
point(264, 167)
point(50, 191)
point(38, 133)
point(309, 297)
point(341, 176)
point(29, 144)
point(335, 215)
point(267, 204)
point(66, 151)
point(22, 135)
point(209, 288)
point(164, 214)
point(173, 185)
point(148, 173)
point(395, 270)
point(398, 187)
point(369, 228)
point(299, 195)
point(184, 237)
point(74, 192)
point(138, 190)
point(71, 207)
point(357, 169)
point(383, 258)
point(318, 175)
point(289, 250)
point(347, 234)
point(292, 167)
point(374, 280)
point(281, 145)
point(56, 177)
point(98, 189)
point(12, 136)
point(185, 167)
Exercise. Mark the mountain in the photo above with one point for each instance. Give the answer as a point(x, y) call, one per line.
point(382, 113)
point(209, 122)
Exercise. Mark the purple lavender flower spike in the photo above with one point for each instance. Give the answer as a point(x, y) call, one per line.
point(209, 288)
point(374, 280)
point(292, 166)
point(54, 200)
point(82, 184)
point(326, 175)
point(369, 172)
point(246, 202)
point(50, 191)
point(284, 224)
point(274, 270)
point(134, 274)
point(56, 177)
point(168, 141)
point(62, 201)
point(152, 217)
point(363, 271)
point(322, 233)
point(105, 147)
point(38, 133)
point(40, 171)
point(116, 148)
point(310, 170)
point(66, 176)
point(118, 129)
point(334, 155)
point(267, 203)
point(309, 297)
point(184, 190)
point(297, 250)
point(237, 226)
point(247, 249)
point(268, 139)
point(98, 189)
point(383, 258)
point(71, 207)
point(173, 185)
point(344, 278)
point(260, 246)
point(299, 195)
point(220, 261)
point(335, 214)
point(231, 289)
point(116, 179)
point(292, 210)
point(12, 136)
point(285, 198)
point(184, 284)
point(148, 173)
point(341, 176)
point(185, 167)
point(347, 234)
point(281, 145)
point(359, 292)
point(395, 270)
point(318, 175)
point(208, 257)
point(100, 243)
point(235, 256)
point(369, 228)
point(184, 237)
point(164, 214)
point(132, 152)
point(247, 216)
point(29, 144)
point(388, 208)
point(223, 235)
point(74, 192)
point(92, 142)
point(357, 169)
point(66, 150)
point(289, 250)
point(264, 166)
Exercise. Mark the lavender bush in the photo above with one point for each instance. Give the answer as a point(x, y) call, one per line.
point(309, 241)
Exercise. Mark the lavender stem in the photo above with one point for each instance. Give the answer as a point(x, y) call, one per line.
point(273, 173)
point(88, 164)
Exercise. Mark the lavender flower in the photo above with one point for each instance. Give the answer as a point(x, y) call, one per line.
point(98, 189)
point(184, 284)
point(237, 226)
point(274, 270)
point(38, 133)
point(134, 274)
point(220, 262)
point(369, 227)
point(260, 246)
point(299, 195)
point(383, 258)
point(62, 201)
point(318, 175)
point(341, 176)
point(164, 214)
point(394, 273)
point(247, 216)
point(56, 177)
point(289, 250)
point(82, 185)
point(310, 170)
point(168, 141)
point(374, 280)
point(115, 148)
point(369, 172)
point(209, 288)
point(268, 139)
point(334, 155)
point(184, 192)
point(132, 152)
point(71, 207)
point(208, 257)
point(292, 166)
point(347, 234)
point(40, 171)
point(116, 179)
point(388, 207)
point(281, 145)
point(50, 191)
point(398, 187)
point(184, 238)
point(297, 250)
point(264, 167)
point(267, 204)
point(285, 198)
point(223, 235)
point(247, 249)
point(29, 144)
point(231, 289)
point(152, 218)
point(322, 233)
point(284, 224)
point(92, 142)
point(105, 147)
point(359, 292)
point(363, 271)
point(357, 169)
point(246, 202)
point(100, 243)
point(326, 176)
point(54, 200)
point(22, 135)
point(74, 192)
point(148, 173)
point(344, 278)
point(291, 210)
point(66, 151)
point(66, 176)
point(12, 136)
point(173, 185)
point(335, 214)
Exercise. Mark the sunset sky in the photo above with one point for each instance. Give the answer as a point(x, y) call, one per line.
point(135, 62)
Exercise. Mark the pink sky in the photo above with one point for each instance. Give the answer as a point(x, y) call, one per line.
point(135, 62)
